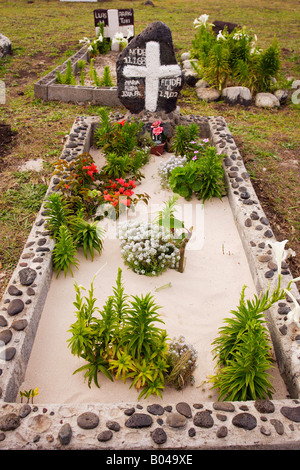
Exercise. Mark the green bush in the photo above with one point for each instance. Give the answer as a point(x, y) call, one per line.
point(234, 59)
point(203, 176)
point(243, 351)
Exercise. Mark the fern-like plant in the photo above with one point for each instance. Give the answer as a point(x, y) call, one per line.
point(182, 137)
point(243, 350)
point(68, 78)
point(57, 213)
point(140, 334)
point(211, 183)
point(106, 78)
point(64, 252)
point(87, 235)
point(81, 65)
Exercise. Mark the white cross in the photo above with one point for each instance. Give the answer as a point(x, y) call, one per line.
point(152, 72)
point(113, 27)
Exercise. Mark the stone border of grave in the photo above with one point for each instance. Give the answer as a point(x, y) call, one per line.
point(264, 424)
point(48, 90)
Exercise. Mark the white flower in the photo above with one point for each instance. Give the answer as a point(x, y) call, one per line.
point(202, 20)
point(220, 36)
point(84, 41)
point(279, 252)
point(293, 315)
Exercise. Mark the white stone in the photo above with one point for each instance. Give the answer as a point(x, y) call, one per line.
point(185, 56)
point(153, 71)
point(237, 95)
point(202, 84)
point(266, 100)
point(187, 64)
point(208, 94)
point(296, 84)
point(5, 45)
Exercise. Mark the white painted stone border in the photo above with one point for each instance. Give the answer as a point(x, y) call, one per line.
point(41, 427)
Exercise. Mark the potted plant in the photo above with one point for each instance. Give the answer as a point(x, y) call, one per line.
point(158, 138)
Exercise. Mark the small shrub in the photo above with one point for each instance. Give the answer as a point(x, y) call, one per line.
point(182, 360)
point(202, 176)
point(64, 252)
point(243, 351)
point(68, 78)
point(147, 248)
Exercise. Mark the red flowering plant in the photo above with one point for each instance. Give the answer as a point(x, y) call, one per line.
point(119, 193)
point(80, 183)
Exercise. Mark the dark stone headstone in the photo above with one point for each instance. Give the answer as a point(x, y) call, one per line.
point(148, 74)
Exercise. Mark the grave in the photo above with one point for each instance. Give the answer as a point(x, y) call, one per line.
point(218, 425)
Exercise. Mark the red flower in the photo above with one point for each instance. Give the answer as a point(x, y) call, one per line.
point(122, 122)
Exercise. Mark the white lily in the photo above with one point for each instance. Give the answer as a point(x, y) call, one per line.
point(279, 252)
point(84, 40)
point(220, 36)
point(293, 315)
point(202, 20)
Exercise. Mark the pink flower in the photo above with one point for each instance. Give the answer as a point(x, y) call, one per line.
point(194, 158)
point(156, 124)
point(157, 130)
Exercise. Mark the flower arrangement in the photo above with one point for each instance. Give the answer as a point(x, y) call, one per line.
point(157, 132)
point(147, 248)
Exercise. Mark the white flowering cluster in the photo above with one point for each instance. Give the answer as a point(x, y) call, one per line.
point(147, 248)
point(178, 349)
point(92, 45)
point(165, 168)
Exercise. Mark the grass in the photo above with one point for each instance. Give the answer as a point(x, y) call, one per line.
point(46, 32)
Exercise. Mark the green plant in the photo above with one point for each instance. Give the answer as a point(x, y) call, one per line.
point(202, 176)
point(64, 252)
point(57, 213)
point(29, 394)
point(68, 78)
point(185, 180)
point(243, 350)
point(87, 235)
point(106, 78)
point(182, 360)
point(118, 137)
point(81, 65)
point(233, 59)
point(182, 137)
point(139, 334)
point(121, 341)
point(211, 183)
point(116, 165)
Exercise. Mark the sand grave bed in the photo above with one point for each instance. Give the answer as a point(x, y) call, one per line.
point(194, 306)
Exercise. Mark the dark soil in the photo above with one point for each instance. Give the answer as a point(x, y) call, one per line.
point(6, 142)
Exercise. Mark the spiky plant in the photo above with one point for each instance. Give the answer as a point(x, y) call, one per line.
point(57, 213)
point(87, 235)
point(64, 252)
